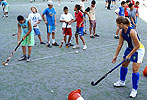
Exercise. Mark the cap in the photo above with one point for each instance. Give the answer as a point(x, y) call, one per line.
point(50, 3)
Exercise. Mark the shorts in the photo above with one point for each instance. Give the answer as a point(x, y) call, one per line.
point(133, 26)
point(6, 8)
point(137, 57)
point(29, 40)
point(113, 0)
point(68, 31)
point(36, 31)
point(51, 28)
point(79, 31)
point(92, 23)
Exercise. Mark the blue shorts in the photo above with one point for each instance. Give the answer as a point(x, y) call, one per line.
point(113, 0)
point(133, 26)
point(37, 31)
point(79, 31)
point(51, 28)
point(137, 57)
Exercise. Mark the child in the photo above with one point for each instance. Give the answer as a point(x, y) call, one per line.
point(27, 36)
point(127, 8)
point(66, 18)
point(132, 15)
point(120, 12)
point(137, 8)
point(79, 28)
point(50, 23)
point(5, 7)
point(35, 19)
point(134, 52)
point(92, 19)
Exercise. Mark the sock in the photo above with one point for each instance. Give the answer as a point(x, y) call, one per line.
point(53, 41)
point(135, 80)
point(29, 56)
point(123, 73)
point(24, 55)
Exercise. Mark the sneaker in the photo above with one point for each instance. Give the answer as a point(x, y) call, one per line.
point(96, 35)
point(116, 37)
point(28, 59)
point(92, 37)
point(70, 44)
point(48, 45)
point(42, 43)
point(55, 44)
point(119, 84)
point(4, 16)
point(84, 47)
point(133, 93)
point(76, 47)
point(22, 58)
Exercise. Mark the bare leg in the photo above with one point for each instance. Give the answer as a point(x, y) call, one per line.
point(29, 50)
point(24, 50)
point(48, 37)
point(82, 40)
point(77, 39)
point(39, 36)
point(90, 29)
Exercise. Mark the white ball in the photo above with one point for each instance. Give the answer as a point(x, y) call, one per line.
point(52, 91)
point(77, 52)
point(6, 64)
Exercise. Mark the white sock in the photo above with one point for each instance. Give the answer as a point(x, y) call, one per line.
point(53, 41)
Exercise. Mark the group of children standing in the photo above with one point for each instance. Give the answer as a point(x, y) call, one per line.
point(130, 10)
point(30, 26)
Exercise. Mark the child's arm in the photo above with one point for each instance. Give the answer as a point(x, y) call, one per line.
point(19, 33)
point(70, 22)
point(117, 11)
point(132, 21)
point(37, 23)
point(82, 22)
point(30, 29)
point(44, 19)
point(55, 21)
point(88, 15)
point(3, 6)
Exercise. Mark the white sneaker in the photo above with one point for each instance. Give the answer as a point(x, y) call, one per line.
point(119, 83)
point(133, 93)
point(84, 47)
point(76, 46)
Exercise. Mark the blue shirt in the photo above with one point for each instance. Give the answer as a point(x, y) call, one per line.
point(50, 15)
point(4, 3)
point(126, 36)
point(122, 11)
point(25, 27)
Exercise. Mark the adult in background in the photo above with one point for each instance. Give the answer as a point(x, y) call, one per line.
point(109, 4)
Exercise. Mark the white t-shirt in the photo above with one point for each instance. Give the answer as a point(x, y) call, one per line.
point(82, 6)
point(67, 17)
point(34, 17)
point(92, 12)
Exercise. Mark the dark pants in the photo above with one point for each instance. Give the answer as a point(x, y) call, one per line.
point(109, 3)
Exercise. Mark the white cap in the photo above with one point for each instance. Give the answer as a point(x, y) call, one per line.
point(50, 2)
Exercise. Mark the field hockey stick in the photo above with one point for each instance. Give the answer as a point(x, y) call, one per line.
point(6, 63)
point(14, 34)
point(63, 37)
point(94, 84)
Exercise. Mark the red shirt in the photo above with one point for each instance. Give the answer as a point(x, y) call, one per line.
point(126, 12)
point(79, 18)
point(133, 2)
point(136, 9)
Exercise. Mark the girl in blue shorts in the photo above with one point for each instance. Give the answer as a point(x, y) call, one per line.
point(134, 52)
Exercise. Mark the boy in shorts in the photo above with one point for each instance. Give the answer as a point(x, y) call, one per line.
point(27, 35)
point(66, 18)
point(5, 7)
point(50, 23)
point(92, 19)
point(35, 19)
point(79, 28)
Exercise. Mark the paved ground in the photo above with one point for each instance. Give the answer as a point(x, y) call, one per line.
point(62, 70)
